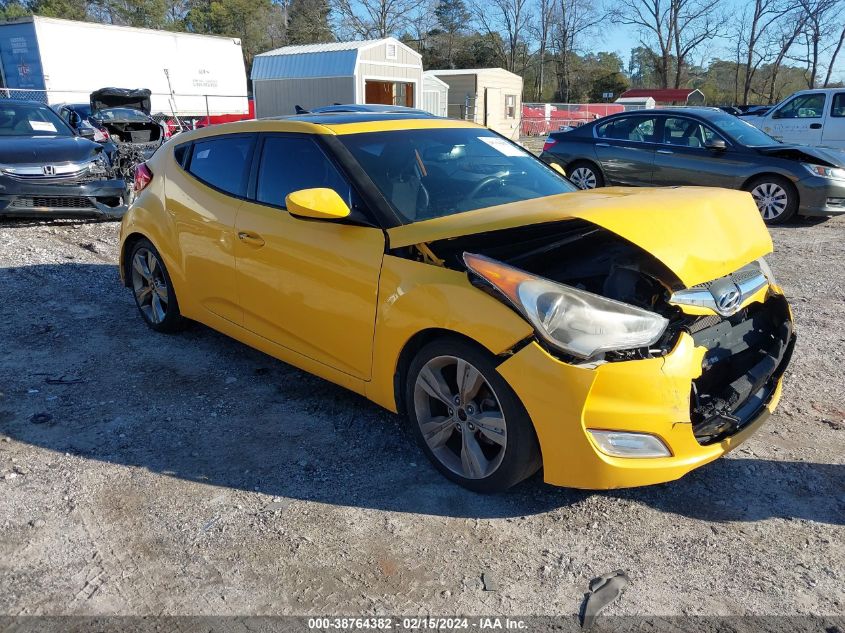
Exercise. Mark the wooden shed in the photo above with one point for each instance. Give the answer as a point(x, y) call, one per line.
point(435, 97)
point(490, 96)
point(372, 71)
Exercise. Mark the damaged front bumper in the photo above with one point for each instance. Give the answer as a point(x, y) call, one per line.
point(659, 397)
point(99, 198)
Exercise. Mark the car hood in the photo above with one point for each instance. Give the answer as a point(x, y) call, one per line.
point(137, 98)
point(697, 232)
point(827, 156)
point(46, 149)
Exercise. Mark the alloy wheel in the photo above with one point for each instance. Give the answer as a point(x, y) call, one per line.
point(584, 178)
point(460, 417)
point(149, 285)
point(771, 199)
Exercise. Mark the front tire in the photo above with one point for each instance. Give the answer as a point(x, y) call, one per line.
point(585, 175)
point(776, 198)
point(152, 289)
point(467, 419)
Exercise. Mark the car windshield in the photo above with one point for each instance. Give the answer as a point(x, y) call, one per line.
point(121, 114)
point(431, 173)
point(30, 119)
point(741, 131)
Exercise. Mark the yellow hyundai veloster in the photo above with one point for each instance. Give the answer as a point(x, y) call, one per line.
point(613, 337)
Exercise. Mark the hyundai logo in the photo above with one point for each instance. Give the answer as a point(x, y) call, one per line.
point(728, 300)
point(49, 170)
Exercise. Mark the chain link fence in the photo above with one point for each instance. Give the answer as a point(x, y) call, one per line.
point(540, 119)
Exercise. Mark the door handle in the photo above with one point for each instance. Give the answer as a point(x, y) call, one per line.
point(252, 239)
point(602, 144)
point(815, 126)
point(665, 151)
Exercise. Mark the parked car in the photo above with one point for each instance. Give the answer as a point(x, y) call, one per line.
point(701, 146)
point(45, 168)
point(809, 117)
point(731, 110)
point(753, 110)
point(615, 339)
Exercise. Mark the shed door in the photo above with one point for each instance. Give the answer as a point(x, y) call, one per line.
point(389, 93)
point(493, 107)
point(431, 102)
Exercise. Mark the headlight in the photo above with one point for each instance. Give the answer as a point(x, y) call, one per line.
point(833, 173)
point(767, 272)
point(576, 321)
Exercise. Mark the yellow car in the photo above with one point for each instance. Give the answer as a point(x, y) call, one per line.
point(613, 338)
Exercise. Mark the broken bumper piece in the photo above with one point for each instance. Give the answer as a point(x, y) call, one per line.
point(102, 198)
point(654, 397)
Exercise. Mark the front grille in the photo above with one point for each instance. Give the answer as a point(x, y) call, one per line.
point(52, 202)
point(746, 354)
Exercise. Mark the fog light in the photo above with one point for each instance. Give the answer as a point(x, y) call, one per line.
point(836, 202)
point(621, 444)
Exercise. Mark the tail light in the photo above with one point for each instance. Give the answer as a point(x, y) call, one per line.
point(550, 143)
point(143, 176)
point(105, 133)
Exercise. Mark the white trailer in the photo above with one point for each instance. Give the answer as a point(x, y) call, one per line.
point(186, 73)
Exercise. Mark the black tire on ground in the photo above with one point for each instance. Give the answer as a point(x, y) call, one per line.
point(584, 173)
point(521, 453)
point(152, 289)
point(776, 198)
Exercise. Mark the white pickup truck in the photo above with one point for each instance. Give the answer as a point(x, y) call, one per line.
point(809, 117)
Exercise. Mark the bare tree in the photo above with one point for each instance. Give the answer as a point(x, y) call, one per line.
point(505, 22)
point(673, 29)
point(542, 31)
point(368, 19)
point(755, 36)
point(820, 20)
point(791, 27)
point(833, 57)
point(572, 21)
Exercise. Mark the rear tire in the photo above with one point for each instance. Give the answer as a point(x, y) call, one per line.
point(585, 175)
point(467, 419)
point(776, 198)
point(152, 288)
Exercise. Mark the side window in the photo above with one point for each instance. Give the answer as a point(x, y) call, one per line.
point(838, 107)
point(640, 129)
point(510, 106)
point(223, 162)
point(291, 163)
point(809, 106)
point(686, 132)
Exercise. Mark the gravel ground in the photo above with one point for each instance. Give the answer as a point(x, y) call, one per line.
point(188, 474)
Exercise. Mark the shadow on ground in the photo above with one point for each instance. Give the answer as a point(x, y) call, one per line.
point(204, 408)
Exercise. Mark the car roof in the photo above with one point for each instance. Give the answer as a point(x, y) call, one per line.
point(345, 116)
point(367, 107)
point(332, 123)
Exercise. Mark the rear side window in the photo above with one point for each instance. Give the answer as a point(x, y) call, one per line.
point(634, 128)
point(290, 163)
point(223, 162)
point(838, 107)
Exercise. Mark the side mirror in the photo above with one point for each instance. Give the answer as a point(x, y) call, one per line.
point(716, 144)
point(74, 119)
point(558, 169)
point(317, 204)
point(87, 132)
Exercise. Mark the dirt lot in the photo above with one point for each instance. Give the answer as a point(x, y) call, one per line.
point(188, 474)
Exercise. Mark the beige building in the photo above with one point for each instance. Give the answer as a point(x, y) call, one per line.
point(373, 71)
point(489, 96)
